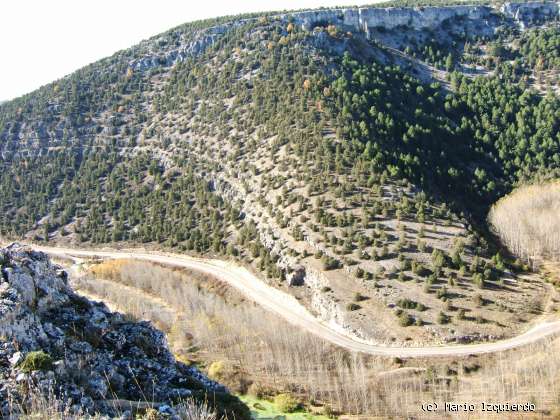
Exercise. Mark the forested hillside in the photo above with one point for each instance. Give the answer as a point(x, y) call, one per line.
point(362, 167)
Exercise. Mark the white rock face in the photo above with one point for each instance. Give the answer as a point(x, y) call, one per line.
point(37, 286)
point(366, 18)
point(526, 14)
point(190, 49)
point(358, 19)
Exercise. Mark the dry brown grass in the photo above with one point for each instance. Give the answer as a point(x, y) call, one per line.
point(255, 346)
point(109, 269)
point(528, 221)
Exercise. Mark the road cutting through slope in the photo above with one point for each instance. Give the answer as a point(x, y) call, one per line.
point(287, 307)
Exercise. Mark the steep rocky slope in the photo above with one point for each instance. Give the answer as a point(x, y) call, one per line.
point(327, 149)
point(79, 356)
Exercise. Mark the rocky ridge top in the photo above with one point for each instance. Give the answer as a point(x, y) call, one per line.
point(485, 18)
point(365, 18)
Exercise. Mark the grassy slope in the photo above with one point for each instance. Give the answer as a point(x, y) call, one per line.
point(265, 409)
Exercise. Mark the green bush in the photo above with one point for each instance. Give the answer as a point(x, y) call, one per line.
point(407, 303)
point(36, 360)
point(442, 318)
point(441, 293)
point(352, 306)
point(358, 297)
point(405, 320)
point(330, 263)
point(286, 403)
point(216, 370)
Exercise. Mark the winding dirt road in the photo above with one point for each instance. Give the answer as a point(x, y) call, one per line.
point(292, 311)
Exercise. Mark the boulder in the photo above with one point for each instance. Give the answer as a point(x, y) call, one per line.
point(297, 276)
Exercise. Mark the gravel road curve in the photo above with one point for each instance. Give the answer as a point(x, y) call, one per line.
point(291, 310)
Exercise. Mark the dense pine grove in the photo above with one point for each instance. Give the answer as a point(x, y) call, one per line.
point(472, 144)
point(541, 49)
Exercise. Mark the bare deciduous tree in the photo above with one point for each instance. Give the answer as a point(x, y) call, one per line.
point(528, 221)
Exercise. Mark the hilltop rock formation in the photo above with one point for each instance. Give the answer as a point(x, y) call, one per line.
point(187, 48)
point(57, 343)
point(365, 18)
point(526, 14)
point(483, 20)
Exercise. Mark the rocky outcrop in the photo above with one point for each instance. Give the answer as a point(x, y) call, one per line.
point(323, 304)
point(90, 355)
point(366, 18)
point(269, 235)
point(527, 14)
point(190, 45)
point(168, 58)
point(482, 19)
point(297, 276)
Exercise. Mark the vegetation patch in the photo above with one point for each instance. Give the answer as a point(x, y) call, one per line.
point(528, 220)
point(266, 409)
point(286, 403)
point(36, 360)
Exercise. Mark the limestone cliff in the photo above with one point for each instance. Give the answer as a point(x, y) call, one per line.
point(363, 20)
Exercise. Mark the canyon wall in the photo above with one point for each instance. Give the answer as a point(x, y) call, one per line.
point(366, 18)
point(526, 14)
